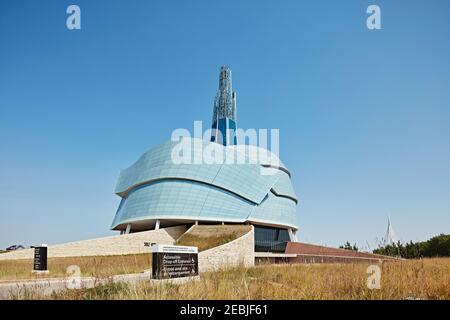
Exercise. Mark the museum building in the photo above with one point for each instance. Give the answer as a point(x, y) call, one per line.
point(158, 192)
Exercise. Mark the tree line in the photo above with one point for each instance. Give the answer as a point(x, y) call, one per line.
point(438, 246)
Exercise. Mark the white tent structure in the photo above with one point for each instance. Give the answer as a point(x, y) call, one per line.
point(390, 237)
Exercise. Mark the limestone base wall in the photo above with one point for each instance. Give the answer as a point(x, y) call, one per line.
point(132, 243)
point(239, 252)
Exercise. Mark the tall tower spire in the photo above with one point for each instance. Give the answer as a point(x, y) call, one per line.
point(224, 115)
point(390, 237)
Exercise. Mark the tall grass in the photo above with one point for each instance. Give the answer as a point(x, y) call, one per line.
point(98, 266)
point(418, 279)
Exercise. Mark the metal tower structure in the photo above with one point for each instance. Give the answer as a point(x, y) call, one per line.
point(224, 119)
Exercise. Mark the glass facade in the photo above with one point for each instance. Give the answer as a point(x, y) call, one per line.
point(221, 128)
point(157, 188)
point(269, 239)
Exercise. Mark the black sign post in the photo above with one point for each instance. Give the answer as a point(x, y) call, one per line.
point(174, 261)
point(40, 258)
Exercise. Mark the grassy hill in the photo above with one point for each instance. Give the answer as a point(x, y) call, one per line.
point(209, 236)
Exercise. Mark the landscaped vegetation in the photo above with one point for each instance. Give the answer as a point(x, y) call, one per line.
point(408, 279)
point(205, 237)
point(99, 266)
point(403, 279)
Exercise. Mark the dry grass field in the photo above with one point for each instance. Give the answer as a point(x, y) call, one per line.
point(415, 279)
point(99, 266)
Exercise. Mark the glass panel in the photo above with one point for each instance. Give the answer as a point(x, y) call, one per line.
point(270, 239)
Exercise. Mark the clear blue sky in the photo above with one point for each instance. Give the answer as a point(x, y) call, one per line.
point(364, 116)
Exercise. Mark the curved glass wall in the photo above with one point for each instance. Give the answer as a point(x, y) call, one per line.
point(156, 188)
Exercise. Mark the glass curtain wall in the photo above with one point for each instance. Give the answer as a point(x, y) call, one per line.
point(270, 239)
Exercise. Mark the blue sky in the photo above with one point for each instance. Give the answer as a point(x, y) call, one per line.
point(363, 115)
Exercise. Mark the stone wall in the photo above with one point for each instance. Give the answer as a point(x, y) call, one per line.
point(132, 243)
point(240, 251)
point(234, 253)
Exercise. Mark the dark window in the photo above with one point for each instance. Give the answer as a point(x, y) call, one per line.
point(270, 239)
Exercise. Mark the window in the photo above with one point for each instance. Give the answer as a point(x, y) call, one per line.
point(270, 239)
